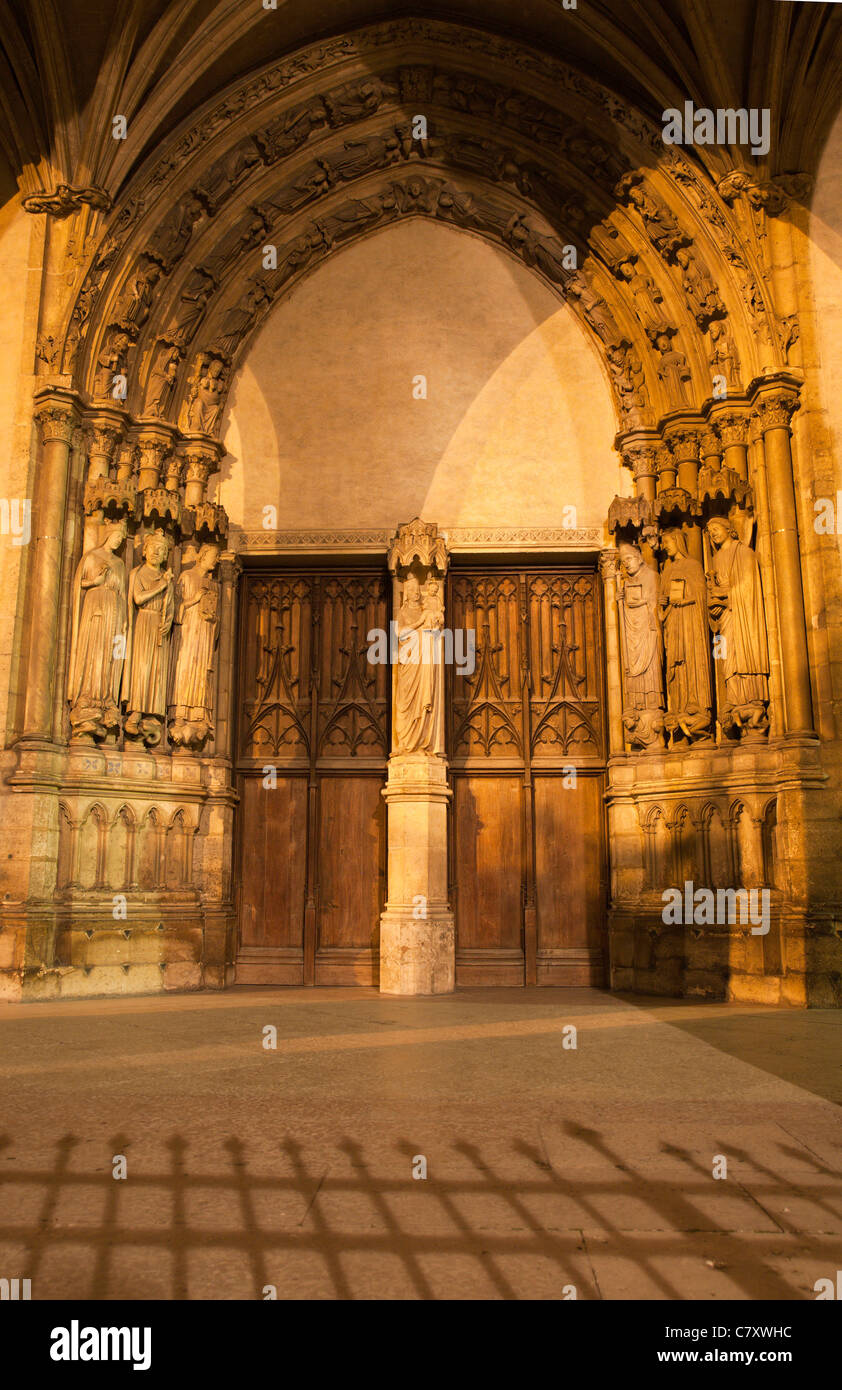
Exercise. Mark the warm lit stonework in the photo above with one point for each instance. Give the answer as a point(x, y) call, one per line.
point(417, 329)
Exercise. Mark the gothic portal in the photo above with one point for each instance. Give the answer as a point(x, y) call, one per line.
point(419, 538)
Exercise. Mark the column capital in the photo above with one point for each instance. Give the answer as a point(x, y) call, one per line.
point(57, 418)
point(608, 562)
point(774, 408)
point(230, 567)
point(711, 444)
point(684, 440)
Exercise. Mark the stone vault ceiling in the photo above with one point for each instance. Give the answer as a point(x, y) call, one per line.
point(66, 67)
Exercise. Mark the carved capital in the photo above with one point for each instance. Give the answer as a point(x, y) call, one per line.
point(733, 428)
point(684, 441)
point(775, 408)
point(57, 422)
point(642, 459)
point(418, 540)
point(608, 561)
point(230, 567)
point(665, 461)
point(711, 444)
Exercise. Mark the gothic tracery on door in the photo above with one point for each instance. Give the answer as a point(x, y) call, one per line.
point(313, 744)
point(525, 737)
point(527, 757)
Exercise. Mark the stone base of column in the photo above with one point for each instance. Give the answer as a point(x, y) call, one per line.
point(417, 956)
point(417, 933)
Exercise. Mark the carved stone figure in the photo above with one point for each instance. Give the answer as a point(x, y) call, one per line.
point(170, 241)
point(136, 302)
point(193, 306)
point(151, 611)
point(191, 691)
point(673, 370)
point(683, 608)
point(735, 609)
point(311, 183)
point(97, 639)
point(355, 100)
point(223, 176)
point(162, 380)
point(723, 353)
point(648, 300)
point(111, 361)
point(204, 404)
point(419, 671)
point(594, 309)
point(641, 646)
point(291, 131)
point(661, 227)
point(362, 156)
point(629, 384)
point(237, 320)
point(699, 288)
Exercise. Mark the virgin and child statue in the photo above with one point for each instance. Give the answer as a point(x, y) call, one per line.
point(418, 708)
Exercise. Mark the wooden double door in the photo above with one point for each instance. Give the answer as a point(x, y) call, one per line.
point(526, 735)
point(527, 862)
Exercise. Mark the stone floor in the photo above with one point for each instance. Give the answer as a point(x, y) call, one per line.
point(547, 1167)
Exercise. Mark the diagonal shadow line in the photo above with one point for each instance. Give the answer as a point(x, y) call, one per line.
point(554, 1247)
point(689, 1211)
point(416, 1274)
point(329, 1254)
point(251, 1225)
point(489, 1266)
point(571, 1192)
point(780, 1187)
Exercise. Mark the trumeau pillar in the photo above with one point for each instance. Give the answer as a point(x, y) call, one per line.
point(417, 934)
point(55, 413)
point(775, 403)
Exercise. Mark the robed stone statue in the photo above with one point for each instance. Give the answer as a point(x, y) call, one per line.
point(642, 648)
point(151, 610)
point(683, 607)
point(418, 716)
point(98, 637)
point(735, 609)
point(196, 616)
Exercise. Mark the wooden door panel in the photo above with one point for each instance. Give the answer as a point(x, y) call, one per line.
point(352, 864)
point(527, 854)
point(570, 883)
point(488, 848)
point(312, 704)
point(273, 862)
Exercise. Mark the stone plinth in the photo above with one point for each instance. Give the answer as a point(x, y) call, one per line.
point(417, 934)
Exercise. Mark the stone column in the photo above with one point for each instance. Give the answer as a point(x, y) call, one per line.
point(417, 934)
point(614, 677)
point(230, 568)
point(666, 469)
point(733, 431)
point(56, 415)
point(685, 445)
point(776, 403)
point(641, 458)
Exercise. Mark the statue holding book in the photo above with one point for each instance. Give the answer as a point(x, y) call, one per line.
point(684, 615)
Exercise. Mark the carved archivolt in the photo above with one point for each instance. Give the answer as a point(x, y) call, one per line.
point(319, 150)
